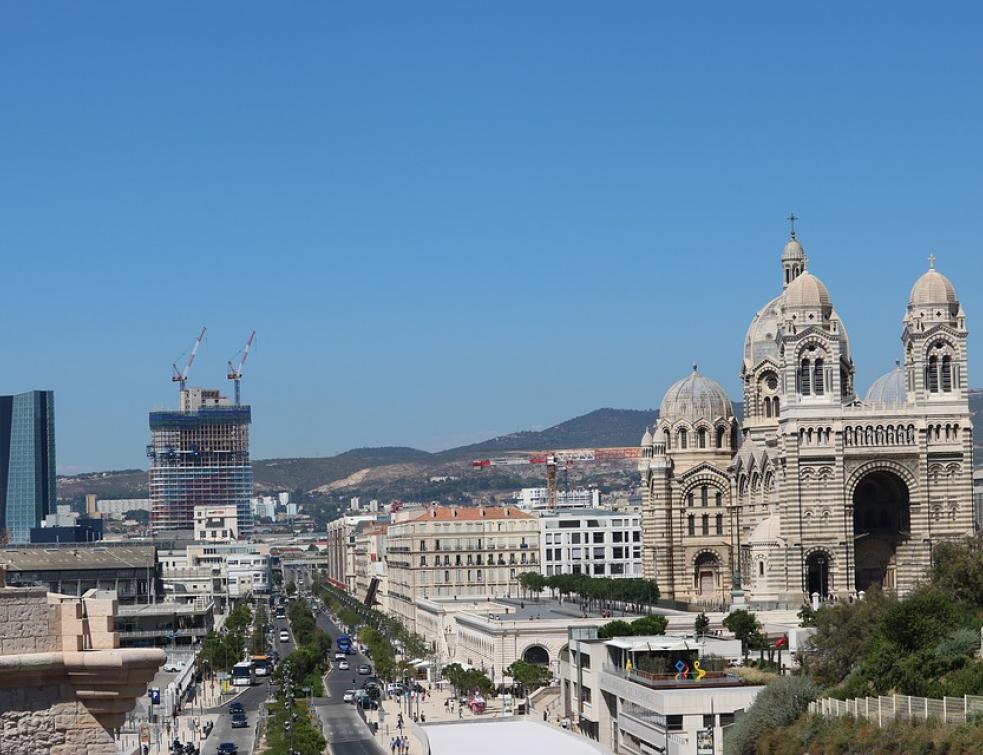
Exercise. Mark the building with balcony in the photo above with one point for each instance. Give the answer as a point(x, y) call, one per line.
point(165, 625)
point(371, 581)
point(591, 541)
point(644, 695)
point(216, 572)
point(340, 547)
point(468, 552)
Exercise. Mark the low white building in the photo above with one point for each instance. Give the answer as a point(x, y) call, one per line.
point(536, 499)
point(217, 524)
point(638, 695)
point(590, 541)
point(120, 506)
point(220, 572)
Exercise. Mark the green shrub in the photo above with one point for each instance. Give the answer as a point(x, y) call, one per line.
point(777, 705)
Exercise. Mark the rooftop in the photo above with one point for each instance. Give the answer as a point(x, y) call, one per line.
point(163, 609)
point(470, 513)
point(51, 558)
point(495, 737)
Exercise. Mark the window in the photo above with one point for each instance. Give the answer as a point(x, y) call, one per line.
point(599, 568)
point(598, 537)
point(682, 438)
point(720, 524)
point(704, 496)
point(636, 536)
point(946, 373)
point(423, 545)
point(690, 526)
point(804, 373)
point(615, 537)
point(720, 437)
point(599, 553)
point(423, 560)
point(701, 438)
point(617, 552)
point(719, 499)
point(705, 524)
point(774, 402)
point(933, 375)
point(617, 569)
point(689, 500)
point(575, 538)
point(761, 568)
point(817, 382)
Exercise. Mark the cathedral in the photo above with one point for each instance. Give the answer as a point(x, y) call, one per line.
point(817, 491)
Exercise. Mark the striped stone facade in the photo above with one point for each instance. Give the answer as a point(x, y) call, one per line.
point(827, 493)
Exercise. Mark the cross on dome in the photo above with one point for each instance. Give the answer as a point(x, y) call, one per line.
point(931, 262)
point(791, 219)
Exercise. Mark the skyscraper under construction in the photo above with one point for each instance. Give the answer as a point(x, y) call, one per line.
point(199, 456)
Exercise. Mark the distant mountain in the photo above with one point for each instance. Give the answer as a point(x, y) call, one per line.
point(398, 468)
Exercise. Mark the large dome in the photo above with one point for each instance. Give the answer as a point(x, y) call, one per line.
point(695, 397)
point(891, 388)
point(760, 343)
point(934, 290)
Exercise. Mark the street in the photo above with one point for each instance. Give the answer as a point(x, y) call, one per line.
point(343, 728)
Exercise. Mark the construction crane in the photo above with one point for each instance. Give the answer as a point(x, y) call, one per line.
point(181, 376)
point(564, 457)
point(235, 373)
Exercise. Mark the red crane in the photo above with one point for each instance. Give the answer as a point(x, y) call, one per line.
point(235, 373)
point(565, 457)
point(181, 376)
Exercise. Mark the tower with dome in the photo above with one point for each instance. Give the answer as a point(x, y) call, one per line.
point(817, 490)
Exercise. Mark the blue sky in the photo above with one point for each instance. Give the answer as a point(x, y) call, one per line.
point(448, 221)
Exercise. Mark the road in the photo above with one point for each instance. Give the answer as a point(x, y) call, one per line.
point(252, 701)
point(344, 730)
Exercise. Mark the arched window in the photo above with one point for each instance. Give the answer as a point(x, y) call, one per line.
point(804, 374)
point(719, 501)
point(704, 496)
point(761, 568)
point(932, 378)
point(946, 373)
point(705, 524)
point(774, 403)
point(720, 437)
point(701, 437)
point(817, 378)
point(691, 524)
point(767, 407)
point(682, 438)
point(689, 500)
point(668, 436)
point(720, 524)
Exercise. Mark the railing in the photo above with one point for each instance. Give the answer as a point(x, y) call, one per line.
point(883, 710)
point(649, 679)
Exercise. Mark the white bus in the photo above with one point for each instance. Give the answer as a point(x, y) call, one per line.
point(244, 674)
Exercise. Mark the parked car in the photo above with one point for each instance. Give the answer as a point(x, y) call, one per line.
point(343, 666)
point(227, 748)
point(239, 721)
point(173, 666)
point(394, 689)
point(349, 695)
point(367, 703)
point(236, 708)
point(364, 669)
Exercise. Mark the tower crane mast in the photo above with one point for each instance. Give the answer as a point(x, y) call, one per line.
point(181, 376)
point(235, 373)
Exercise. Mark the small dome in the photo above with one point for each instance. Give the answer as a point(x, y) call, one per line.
point(891, 388)
point(934, 290)
point(808, 292)
point(647, 439)
point(695, 397)
point(760, 343)
point(793, 251)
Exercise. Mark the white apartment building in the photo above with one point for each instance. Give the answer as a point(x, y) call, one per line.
point(220, 572)
point(121, 505)
point(535, 499)
point(340, 548)
point(217, 524)
point(592, 542)
point(264, 507)
point(463, 551)
point(370, 564)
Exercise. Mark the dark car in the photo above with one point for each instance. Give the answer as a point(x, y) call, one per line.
point(239, 721)
point(236, 708)
point(367, 703)
point(227, 748)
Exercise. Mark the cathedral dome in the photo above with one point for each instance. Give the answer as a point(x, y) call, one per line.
point(808, 292)
point(793, 251)
point(760, 343)
point(693, 398)
point(933, 290)
point(891, 388)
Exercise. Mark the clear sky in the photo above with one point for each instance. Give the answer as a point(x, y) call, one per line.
point(448, 221)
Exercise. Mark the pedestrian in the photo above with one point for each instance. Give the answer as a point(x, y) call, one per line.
point(392, 745)
point(406, 744)
point(460, 712)
point(544, 716)
point(447, 704)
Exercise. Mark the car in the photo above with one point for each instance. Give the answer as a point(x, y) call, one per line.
point(349, 695)
point(339, 656)
point(364, 669)
point(235, 708)
point(367, 703)
point(284, 635)
point(343, 666)
point(394, 689)
point(173, 666)
point(239, 721)
point(227, 748)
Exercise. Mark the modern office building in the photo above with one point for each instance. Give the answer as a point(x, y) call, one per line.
point(27, 463)
point(537, 499)
point(199, 456)
point(590, 541)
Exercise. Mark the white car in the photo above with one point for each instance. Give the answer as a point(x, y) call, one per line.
point(349, 696)
point(284, 635)
point(339, 656)
point(173, 666)
point(343, 666)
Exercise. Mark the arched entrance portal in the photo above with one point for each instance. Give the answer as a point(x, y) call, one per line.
point(880, 522)
point(537, 655)
point(817, 574)
point(705, 577)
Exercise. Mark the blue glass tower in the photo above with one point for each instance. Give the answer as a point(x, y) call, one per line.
point(27, 462)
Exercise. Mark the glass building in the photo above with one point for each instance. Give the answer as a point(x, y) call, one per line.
point(199, 456)
point(27, 463)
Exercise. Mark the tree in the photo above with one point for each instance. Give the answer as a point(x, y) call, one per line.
point(532, 582)
point(529, 676)
point(779, 704)
point(957, 570)
point(744, 625)
point(616, 628)
point(291, 588)
point(701, 623)
point(648, 625)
